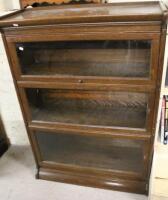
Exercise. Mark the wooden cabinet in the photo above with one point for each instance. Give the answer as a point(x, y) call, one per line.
point(88, 80)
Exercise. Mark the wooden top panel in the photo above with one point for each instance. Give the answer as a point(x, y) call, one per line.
point(137, 11)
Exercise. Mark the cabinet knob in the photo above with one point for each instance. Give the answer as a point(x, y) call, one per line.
point(80, 81)
point(148, 110)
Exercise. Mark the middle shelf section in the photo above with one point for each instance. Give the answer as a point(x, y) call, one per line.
point(115, 109)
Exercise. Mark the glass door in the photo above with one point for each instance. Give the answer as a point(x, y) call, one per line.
point(100, 153)
point(92, 58)
point(92, 108)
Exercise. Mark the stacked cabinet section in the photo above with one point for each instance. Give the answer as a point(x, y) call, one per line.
point(88, 105)
point(97, 58)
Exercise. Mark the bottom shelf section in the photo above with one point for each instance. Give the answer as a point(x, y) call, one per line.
point(97, 153)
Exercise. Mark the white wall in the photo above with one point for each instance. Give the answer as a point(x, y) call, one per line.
point(9, 106)
point(9, 4)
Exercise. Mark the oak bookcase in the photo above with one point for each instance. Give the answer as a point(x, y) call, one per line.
point(88, 81)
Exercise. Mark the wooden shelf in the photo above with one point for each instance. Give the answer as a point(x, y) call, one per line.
point(89, 69)
point(121, 117)
point(120, 109)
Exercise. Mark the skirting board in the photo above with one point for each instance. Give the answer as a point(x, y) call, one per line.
point(92, 181)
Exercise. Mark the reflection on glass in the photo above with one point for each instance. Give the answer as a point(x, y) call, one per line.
point(105, 58)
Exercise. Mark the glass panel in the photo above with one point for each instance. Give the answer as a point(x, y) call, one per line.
point(123, 109)
point(86, 58)
point(95, 152)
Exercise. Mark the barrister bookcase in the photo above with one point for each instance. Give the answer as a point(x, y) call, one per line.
point(88, 81)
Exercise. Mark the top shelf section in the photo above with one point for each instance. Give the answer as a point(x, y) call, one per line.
point(114, 12)
point(129, 59)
